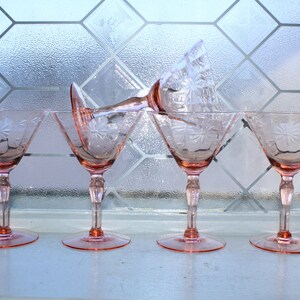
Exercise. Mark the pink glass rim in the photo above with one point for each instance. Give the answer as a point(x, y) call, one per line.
point(190, 113)
point(270, 113)
point(24, 111)
point(94, 110)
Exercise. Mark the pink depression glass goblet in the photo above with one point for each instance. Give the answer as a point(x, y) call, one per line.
point(279, 137)
point(193, 139)
point(97, 144)
point(17, 129)
point(187, 86)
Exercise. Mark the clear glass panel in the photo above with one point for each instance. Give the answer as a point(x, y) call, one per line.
point(181, 10)
point(289, 102)
point(154, 175)
point(246, 203)
point(266, 190)
point(5, 22)
point(247, 88)
point(284, 11)
point(50, 183)
point(247, 24)
point(56, 174)
point(217, 192)
point(41, 60)
point(152, 181)
point(126, 162)
point(111, 85)
point(49, 140)
point(244, 158)
point(49, 55)
point(37, 99)
point(67, 189)
point(31, 199)
point(284, 64)
point(113, 23)
point(4, 88)
point(147, 138)
point(48, 10)
point(114, 201)
point(157, 47)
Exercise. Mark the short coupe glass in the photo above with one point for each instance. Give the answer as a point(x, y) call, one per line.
point(97, 145)
point(193, 139)
point(17, 129)
point(279, 137)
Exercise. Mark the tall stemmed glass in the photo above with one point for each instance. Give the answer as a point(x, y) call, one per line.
point(193, 139)
point(17, 129)
point(279, 137)
point(97, 144)
point(187, 86)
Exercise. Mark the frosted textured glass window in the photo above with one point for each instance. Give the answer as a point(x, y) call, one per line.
point(48, 54)
point(48, 10)
point(285, 11)
point(116, 49)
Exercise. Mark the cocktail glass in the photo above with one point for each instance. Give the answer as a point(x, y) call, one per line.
point(279, 137)
point(17, 129)
point(187, 86)
point(193, 139)
point(97, 145)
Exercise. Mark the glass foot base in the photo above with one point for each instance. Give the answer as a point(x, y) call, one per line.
point(204, 243)
point(269, 242)
point(18, 238)
point(110, 240)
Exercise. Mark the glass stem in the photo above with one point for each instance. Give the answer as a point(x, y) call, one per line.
point(286, 190)
point(192, 194)
point(97, 194)
point(5, 230)
point(131, 104)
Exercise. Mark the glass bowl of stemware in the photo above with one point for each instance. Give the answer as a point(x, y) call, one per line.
point(193, 139)
point(97, 143)
point(17, 129)
point(279, 137)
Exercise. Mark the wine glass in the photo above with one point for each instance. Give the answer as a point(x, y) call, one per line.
point(187, 86)
point(193, 139)
point(97, 145)
point(279, 137)
point(17, 129)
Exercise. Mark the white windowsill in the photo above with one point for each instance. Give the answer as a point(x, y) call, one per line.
point(143, 270)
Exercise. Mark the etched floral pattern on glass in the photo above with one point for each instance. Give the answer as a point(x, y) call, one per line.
point(17, 129)
point(279, 136)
